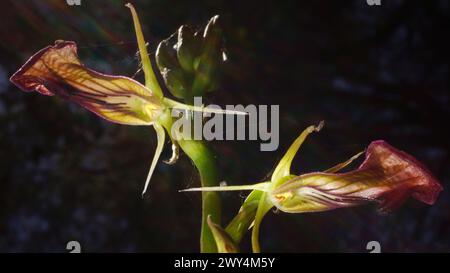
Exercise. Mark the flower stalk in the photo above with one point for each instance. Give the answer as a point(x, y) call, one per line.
point(203, 159)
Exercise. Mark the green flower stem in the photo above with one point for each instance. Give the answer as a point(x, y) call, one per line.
point(204, 161)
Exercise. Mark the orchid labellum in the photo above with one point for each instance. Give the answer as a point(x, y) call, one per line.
point(57, 70)
point(387, 177)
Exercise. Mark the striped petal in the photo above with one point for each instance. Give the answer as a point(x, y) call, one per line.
point(387, 176)
point(56, 70)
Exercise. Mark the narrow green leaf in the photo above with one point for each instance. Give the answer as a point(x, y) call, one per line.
point(245, 217)
point(224, 242)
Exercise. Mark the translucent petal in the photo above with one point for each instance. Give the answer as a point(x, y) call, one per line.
point(387, 176)
point(56, 70)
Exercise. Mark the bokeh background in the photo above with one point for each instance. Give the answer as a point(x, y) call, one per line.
point(370, 72)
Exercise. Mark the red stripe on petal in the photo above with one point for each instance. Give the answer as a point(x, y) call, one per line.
point(56, 70)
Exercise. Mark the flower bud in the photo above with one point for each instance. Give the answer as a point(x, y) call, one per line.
point(175, 78)
point(166, 57)
point(188, 48)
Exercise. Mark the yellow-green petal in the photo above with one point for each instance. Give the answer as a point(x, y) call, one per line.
point(283, 168)
point(161, 138)
point(342, 165)
point(150, 79)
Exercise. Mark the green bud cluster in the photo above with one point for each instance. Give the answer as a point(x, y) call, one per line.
point(190, 65)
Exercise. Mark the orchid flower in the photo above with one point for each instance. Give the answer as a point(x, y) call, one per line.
point(57, 70)
point(387, 177)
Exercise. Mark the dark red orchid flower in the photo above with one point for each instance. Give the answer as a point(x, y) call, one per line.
point(387, 177)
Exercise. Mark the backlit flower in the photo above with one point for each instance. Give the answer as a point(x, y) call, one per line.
point(57, 70)
point(387, 177)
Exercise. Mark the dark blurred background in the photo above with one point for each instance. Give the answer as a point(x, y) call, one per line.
point(371, 72)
